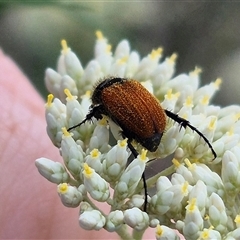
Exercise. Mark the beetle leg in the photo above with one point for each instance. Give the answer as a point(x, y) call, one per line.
point(135, 154)
point(185, 123)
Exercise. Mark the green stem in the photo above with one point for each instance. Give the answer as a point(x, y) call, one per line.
point(137, 235)
point(73, 182)
point(123, 233)
point(93, 205)
point(151, 181)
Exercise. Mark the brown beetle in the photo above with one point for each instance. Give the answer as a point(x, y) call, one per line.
point(136, 111)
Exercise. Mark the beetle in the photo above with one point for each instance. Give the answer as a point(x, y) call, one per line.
point(136, 111)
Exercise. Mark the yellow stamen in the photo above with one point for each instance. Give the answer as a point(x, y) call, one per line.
point(195, 160)
point(184, 116)
point(99, 35)
point(191, 207)
point(159, 231)
point(237, 219)
point(109, 48)
point(205, 100)
point(156, 53)
point(237, 116)
point(143, 155)
point(212, 124)
point(205, 234)
point(176, 163)
point(65, 132)
point(62, 188)
point(49, 100)
point(217, 83)
point(177, 94)
point(103, 121)
point(87, 170)
point(68, 94)
point(87, 94)
point(185, 188)
point(188, 102)
point(65, 48)
point(172, 58)
point(123, 60)
point(123, 143)
point(169, 94)
point(95, 153)
point(189, 164)
point(196, 71)
point(230, 132)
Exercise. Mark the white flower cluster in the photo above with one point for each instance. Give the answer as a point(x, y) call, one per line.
point(200, 199)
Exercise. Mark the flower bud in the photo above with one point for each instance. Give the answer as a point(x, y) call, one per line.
point(163, 233)
point(96, 186)
point(70, 196)
point(136, 219)
point(131, 177)
point(52, 171)
point(92, 220)
point(114, 220)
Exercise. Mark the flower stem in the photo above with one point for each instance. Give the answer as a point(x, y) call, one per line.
point(168, 171)
point(94, 206)
point(137, 235)
point(123, 233)
point(73, 182)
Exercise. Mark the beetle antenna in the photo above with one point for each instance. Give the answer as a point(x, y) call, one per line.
point(184, 123)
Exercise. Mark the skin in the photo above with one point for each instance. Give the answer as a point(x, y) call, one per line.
point(29, 205)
